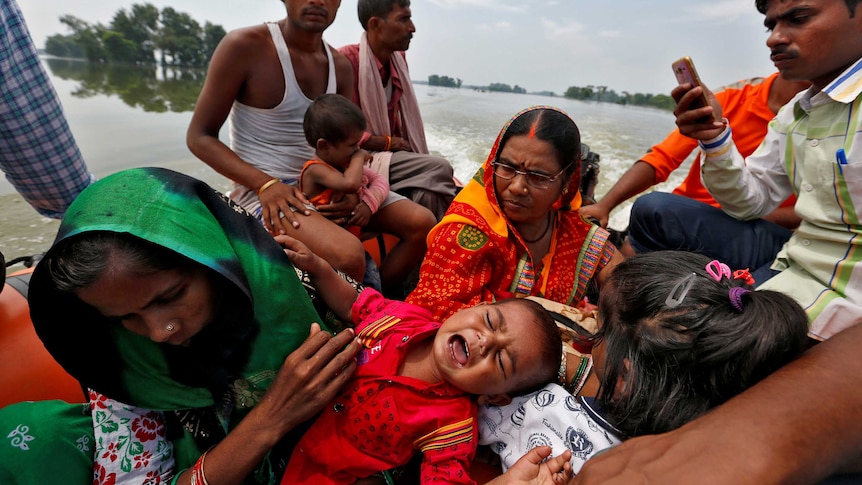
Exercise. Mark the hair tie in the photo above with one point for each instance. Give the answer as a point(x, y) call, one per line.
point(735, 295)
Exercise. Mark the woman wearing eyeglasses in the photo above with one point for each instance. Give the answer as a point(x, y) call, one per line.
point(514, 229)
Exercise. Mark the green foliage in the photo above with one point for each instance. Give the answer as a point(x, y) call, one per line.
point(63, 46)
point(118, 48)
point(88, 37)
point(181, 39)
point(505, 88)
point(213, 34)
point(137, 35)
point(602, 93)
point(445, 81)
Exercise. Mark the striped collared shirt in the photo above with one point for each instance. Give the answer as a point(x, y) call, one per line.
point(813, 149)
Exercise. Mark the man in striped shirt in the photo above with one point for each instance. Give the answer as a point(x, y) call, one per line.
point(801, 424)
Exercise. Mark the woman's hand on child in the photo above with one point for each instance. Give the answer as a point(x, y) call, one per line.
point(309, 379)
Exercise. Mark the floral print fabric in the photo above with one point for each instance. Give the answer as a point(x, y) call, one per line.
point(130, 444)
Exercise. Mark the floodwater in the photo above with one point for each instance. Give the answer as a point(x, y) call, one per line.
point(124, 117)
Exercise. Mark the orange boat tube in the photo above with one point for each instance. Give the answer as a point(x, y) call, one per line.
point(27, 370)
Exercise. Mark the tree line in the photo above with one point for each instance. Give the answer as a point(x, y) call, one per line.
point(141, 35)
point(586, 93)
point(603, 94)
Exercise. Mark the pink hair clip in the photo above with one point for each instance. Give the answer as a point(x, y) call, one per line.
point(717, 269)
point(743, 274)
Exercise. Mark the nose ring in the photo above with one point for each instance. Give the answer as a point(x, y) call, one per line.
point(170, 327)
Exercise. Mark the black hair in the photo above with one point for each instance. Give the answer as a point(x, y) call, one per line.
point(763, 4)
point(330, 117)
point(554, 127)
point(376, 8)
point(549, 340)
point(678, 362)
point(79, 261)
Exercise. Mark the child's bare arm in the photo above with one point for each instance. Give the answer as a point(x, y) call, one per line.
point(337, 293)
point(348, 181)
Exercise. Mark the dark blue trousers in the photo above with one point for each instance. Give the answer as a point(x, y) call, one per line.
point(660, 220)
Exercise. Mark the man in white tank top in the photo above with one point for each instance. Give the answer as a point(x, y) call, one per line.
point(264, 77)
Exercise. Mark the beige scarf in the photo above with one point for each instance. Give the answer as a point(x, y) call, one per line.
point(373, 102)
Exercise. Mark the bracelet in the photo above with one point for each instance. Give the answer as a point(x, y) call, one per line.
point(198, 477)
point(580, 377)
point(561, 372)
point(267, 185)
point(388, 143)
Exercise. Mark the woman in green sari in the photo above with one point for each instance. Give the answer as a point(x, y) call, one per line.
point(201, 348)
point(192, 330)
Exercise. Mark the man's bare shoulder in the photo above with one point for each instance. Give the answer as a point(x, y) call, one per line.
point(248, 39)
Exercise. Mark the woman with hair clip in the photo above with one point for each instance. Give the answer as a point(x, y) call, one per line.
point(679, 335)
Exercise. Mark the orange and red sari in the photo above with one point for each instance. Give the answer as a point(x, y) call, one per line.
point(476, 255)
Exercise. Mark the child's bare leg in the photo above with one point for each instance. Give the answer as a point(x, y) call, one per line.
point(410, 222)
point(332, 242)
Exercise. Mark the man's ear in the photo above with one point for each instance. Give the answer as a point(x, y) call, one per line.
point(373, 23)
point(495, 399)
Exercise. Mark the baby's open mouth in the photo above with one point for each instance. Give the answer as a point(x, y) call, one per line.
point(459, 349)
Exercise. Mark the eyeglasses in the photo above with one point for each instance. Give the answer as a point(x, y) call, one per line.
point(534, 179)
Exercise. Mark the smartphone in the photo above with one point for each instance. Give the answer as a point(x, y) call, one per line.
point(685, 73)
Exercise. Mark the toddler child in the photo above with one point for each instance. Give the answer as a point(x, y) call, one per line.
point(678, 335)
point(418, 381)
point(334, 126)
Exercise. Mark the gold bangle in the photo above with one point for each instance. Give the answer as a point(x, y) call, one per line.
point(267, 185)
point(388, 143)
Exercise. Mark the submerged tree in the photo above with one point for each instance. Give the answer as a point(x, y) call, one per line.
point(603, 94)
point(445, 81)
point(87, 37)
point(137, 35)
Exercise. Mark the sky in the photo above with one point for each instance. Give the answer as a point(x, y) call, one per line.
point(540, 45)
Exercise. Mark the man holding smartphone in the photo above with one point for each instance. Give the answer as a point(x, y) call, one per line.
point(690, 218)
point(801, 424)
